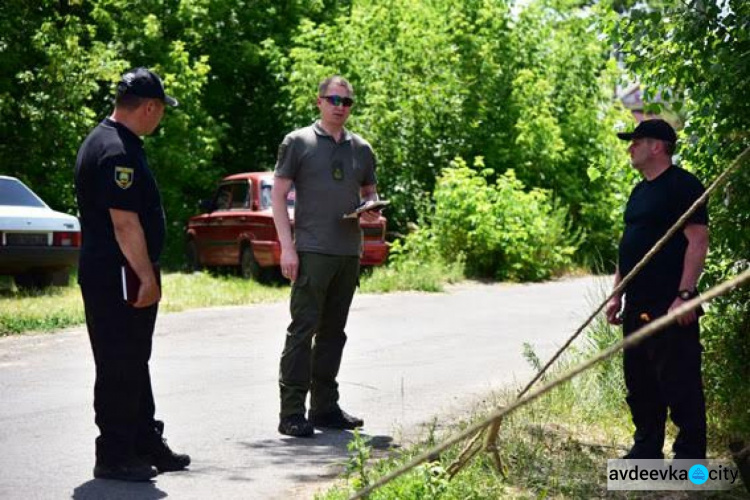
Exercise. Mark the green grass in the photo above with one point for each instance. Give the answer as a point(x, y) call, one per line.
point(50, 309)
point(429, 276)
point(556, 447)
point(60, 307)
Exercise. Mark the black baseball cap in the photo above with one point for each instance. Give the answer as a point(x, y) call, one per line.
point(143, 82)
point(652, 129)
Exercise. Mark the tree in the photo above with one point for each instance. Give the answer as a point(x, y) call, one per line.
point(441, 79)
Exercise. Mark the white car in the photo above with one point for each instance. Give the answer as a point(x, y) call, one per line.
point(38, 246)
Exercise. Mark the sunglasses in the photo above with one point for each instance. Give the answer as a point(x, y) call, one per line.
point(337, 100)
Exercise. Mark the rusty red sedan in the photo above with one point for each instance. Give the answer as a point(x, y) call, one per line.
point(236, 229)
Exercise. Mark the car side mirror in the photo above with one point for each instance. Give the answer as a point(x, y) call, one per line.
point(205, 206)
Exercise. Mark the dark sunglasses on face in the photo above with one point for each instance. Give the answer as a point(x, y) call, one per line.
point(337, 100)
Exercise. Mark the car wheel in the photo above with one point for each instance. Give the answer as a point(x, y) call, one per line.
point(34, 280)
point(249, 267)
point(61, 278)
point(192, 259)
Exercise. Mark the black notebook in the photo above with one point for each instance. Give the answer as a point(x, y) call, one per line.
point(131, 282)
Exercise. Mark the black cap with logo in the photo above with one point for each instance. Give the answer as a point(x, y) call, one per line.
point(651, 129)
point(142, 82)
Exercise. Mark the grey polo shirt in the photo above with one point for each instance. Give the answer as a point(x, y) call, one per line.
point(327, 179)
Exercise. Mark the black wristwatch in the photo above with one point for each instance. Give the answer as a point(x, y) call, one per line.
point(687, 294)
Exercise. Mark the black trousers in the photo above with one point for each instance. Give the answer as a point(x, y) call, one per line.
point(663, 373)
point(120, 338)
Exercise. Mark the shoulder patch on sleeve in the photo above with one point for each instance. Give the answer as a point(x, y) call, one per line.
point(124, 177)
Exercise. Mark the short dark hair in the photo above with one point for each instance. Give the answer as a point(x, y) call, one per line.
point(129, 101)
point(334, 80)
point(670, 147)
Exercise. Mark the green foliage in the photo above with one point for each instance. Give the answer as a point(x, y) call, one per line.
point(63, 84)
point(400, 58)
point(59, 62)
point(436, 80)
point(726, 340)
point(501, 230)
point(530, 92)
point(356, 466)
point(694, 54)
point(412, 267)
point(565, 140)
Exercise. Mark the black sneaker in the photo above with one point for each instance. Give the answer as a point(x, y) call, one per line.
point(336, 419)
point(296, 425)
point(134, 470)
point(155, 451)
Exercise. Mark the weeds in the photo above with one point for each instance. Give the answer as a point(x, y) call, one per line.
point(356, 466)
point(411, 274)
point(556, 447)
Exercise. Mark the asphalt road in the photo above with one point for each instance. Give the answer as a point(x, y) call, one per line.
point(410, 357)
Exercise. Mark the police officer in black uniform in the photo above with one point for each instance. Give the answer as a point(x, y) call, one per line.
point(664, 371)
point(122, 223)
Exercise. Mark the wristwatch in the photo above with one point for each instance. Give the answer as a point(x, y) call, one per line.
point(687, 294)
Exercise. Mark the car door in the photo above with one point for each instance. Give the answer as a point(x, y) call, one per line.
point(232, 222)
point(210, 239)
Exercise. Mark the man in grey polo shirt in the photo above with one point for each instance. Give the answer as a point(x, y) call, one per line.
point(332, 171)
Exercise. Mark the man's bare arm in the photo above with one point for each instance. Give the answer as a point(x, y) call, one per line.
point(695, 255)
point(132, 242)
point(615, 303)
point(695, 258)
point(289, 258)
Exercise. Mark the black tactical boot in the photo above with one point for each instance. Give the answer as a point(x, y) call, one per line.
point(153, 448)
point(296, 426)
point(336, 419)
point(137, 470)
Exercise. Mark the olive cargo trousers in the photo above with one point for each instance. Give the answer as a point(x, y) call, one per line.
point(315, 338)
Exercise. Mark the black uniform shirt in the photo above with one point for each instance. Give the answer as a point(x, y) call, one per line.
point(653, 207)
point(112, 172)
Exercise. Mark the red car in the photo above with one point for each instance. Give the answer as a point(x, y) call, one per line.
point(237, 229)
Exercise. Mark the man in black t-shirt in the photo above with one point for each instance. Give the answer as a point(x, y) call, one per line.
point(664, 371)
point(122, 223)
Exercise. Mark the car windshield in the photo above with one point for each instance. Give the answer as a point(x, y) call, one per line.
point(265, 196)
point(13, 192)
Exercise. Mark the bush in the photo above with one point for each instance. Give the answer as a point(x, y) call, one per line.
point(725, 336)
point(500, 230)
point(413, 265)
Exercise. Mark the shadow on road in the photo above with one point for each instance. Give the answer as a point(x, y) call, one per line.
point(102, 489)
point(327, 449)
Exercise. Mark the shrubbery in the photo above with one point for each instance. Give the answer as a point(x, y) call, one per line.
point(498, 230)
